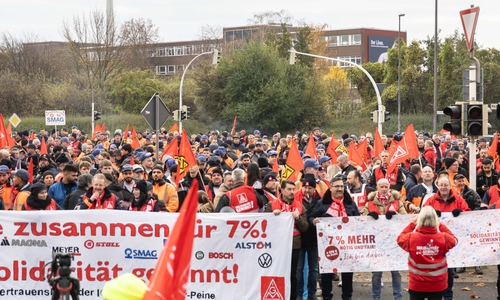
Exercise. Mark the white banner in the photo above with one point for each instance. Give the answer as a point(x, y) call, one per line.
point(55, 117)
point(247, 256)
point(363, 244)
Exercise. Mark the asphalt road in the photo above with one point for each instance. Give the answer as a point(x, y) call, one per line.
point(468, 286)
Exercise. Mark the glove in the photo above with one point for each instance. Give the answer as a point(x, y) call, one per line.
point(414, 208)
point(456, 212)
point(438, 212)
point(373, 215)
point(389, 214)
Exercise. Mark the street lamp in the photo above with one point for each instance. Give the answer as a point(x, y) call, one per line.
point(399, 73)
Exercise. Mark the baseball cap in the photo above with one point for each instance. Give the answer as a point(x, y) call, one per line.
point(201, 158)
point(458, 176)
point(4, 169)
point(145, 155)
point(137, 169)
point(127, 167)
point(272, 152)
point(311, 163)
point(324, 158)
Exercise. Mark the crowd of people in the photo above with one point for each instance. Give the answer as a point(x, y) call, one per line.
point(243, 173)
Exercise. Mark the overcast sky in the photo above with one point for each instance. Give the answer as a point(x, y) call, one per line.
point(181, 20)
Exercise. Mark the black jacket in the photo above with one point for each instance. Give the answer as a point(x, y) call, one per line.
point(483, 180)
point(309, 239)
point(72, 199)
point(321, 207)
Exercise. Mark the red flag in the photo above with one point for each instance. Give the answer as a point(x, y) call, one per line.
point(331, 148)
point(411, 141)
point(234, 125)
point(293, 164)
point(355, 157)
point(492, 151)
point(103, 127)
point(311, 147)
point(172, 148)
point(363, 151)
point(125, 134)
point(3, 134)
point(10, 139)
point(174, 128)
point(170, 276)
point(185, 159)
point(398, 153)
point(276, 167)
point(98, 127)
point(32, 135)
point(135, 141)
point(30, 170)
point(378, 146)
point(43, 147)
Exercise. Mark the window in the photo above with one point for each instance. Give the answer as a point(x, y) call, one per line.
point(344, 40)
point(354, 59)
point(332, 40)
point(188, 50)
point(356, 39)
point(161, 52)
point(171, 69)
point(170, 51)
point(161, 70)
point(179, 51)
point(180, 68)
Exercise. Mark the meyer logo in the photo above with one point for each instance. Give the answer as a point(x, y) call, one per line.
point(74, 250)
point(23, 243)
point(272, 288)
point(140, 254)
point(89, 244)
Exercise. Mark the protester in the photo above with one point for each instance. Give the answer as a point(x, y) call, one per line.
point(427, 241)
point(39, 199)
point(336, 202)
point(142, 200)
point(98, 196)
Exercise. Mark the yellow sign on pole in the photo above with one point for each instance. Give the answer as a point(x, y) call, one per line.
point(14, 120)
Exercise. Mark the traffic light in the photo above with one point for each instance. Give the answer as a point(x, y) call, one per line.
point(215, 57)
point(183, 115)
point(477, 118)
point(97, 115)
point(186, 110)
point(176, 115)
point(374, 116)
point(455, 125)
point(387, 116)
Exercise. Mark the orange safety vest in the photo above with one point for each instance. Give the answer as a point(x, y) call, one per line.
point(243, 199)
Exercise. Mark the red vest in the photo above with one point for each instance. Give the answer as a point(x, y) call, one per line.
point(494, 196)
point(149, 207)
point(51, 206)
point(393, 206)
point(284, 207)
point(109, 203)
point(243, 199)
point(427, 266)
point(392, 177)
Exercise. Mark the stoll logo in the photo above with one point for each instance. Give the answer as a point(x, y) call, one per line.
point(140, 254)
point(22, 243)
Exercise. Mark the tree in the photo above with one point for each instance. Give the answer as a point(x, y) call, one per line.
point(337, 87)
point(364, 85)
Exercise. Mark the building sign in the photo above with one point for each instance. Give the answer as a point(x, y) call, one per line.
point(378, 47)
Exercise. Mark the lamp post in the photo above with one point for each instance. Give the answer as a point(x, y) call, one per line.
point(434, 113)
point(399, 73)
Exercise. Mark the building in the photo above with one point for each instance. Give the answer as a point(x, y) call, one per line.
point(358, 45)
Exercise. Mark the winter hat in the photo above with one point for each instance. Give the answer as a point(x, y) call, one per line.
point(217, 170)
point(449, 161)
point(142, 186)
point(47, 173)
point(124, 287)
point(309, 180)
point(37, 188)
point(268, 178)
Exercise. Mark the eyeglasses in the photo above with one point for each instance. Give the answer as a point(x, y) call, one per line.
point(337, 186)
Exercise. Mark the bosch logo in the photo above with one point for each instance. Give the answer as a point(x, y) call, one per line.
point(89, 244)
point(220, 255)
point(199, 255)
point(140, 254)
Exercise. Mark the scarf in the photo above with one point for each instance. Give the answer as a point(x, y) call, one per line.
point(337, 208)
point(39, 204)
point(383, 199)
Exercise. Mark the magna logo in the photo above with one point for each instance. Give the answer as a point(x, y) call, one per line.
point(23, 243)
point(272, 288)
point(140, 254)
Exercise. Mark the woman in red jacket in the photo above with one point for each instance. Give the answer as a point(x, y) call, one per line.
point(427, 246)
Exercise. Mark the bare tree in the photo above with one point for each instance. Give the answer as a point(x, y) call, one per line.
point(138, 34)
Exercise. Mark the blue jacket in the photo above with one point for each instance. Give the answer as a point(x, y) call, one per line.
point(58, 192)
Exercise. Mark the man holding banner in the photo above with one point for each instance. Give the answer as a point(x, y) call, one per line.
point(335, 203)
point(383, 201)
